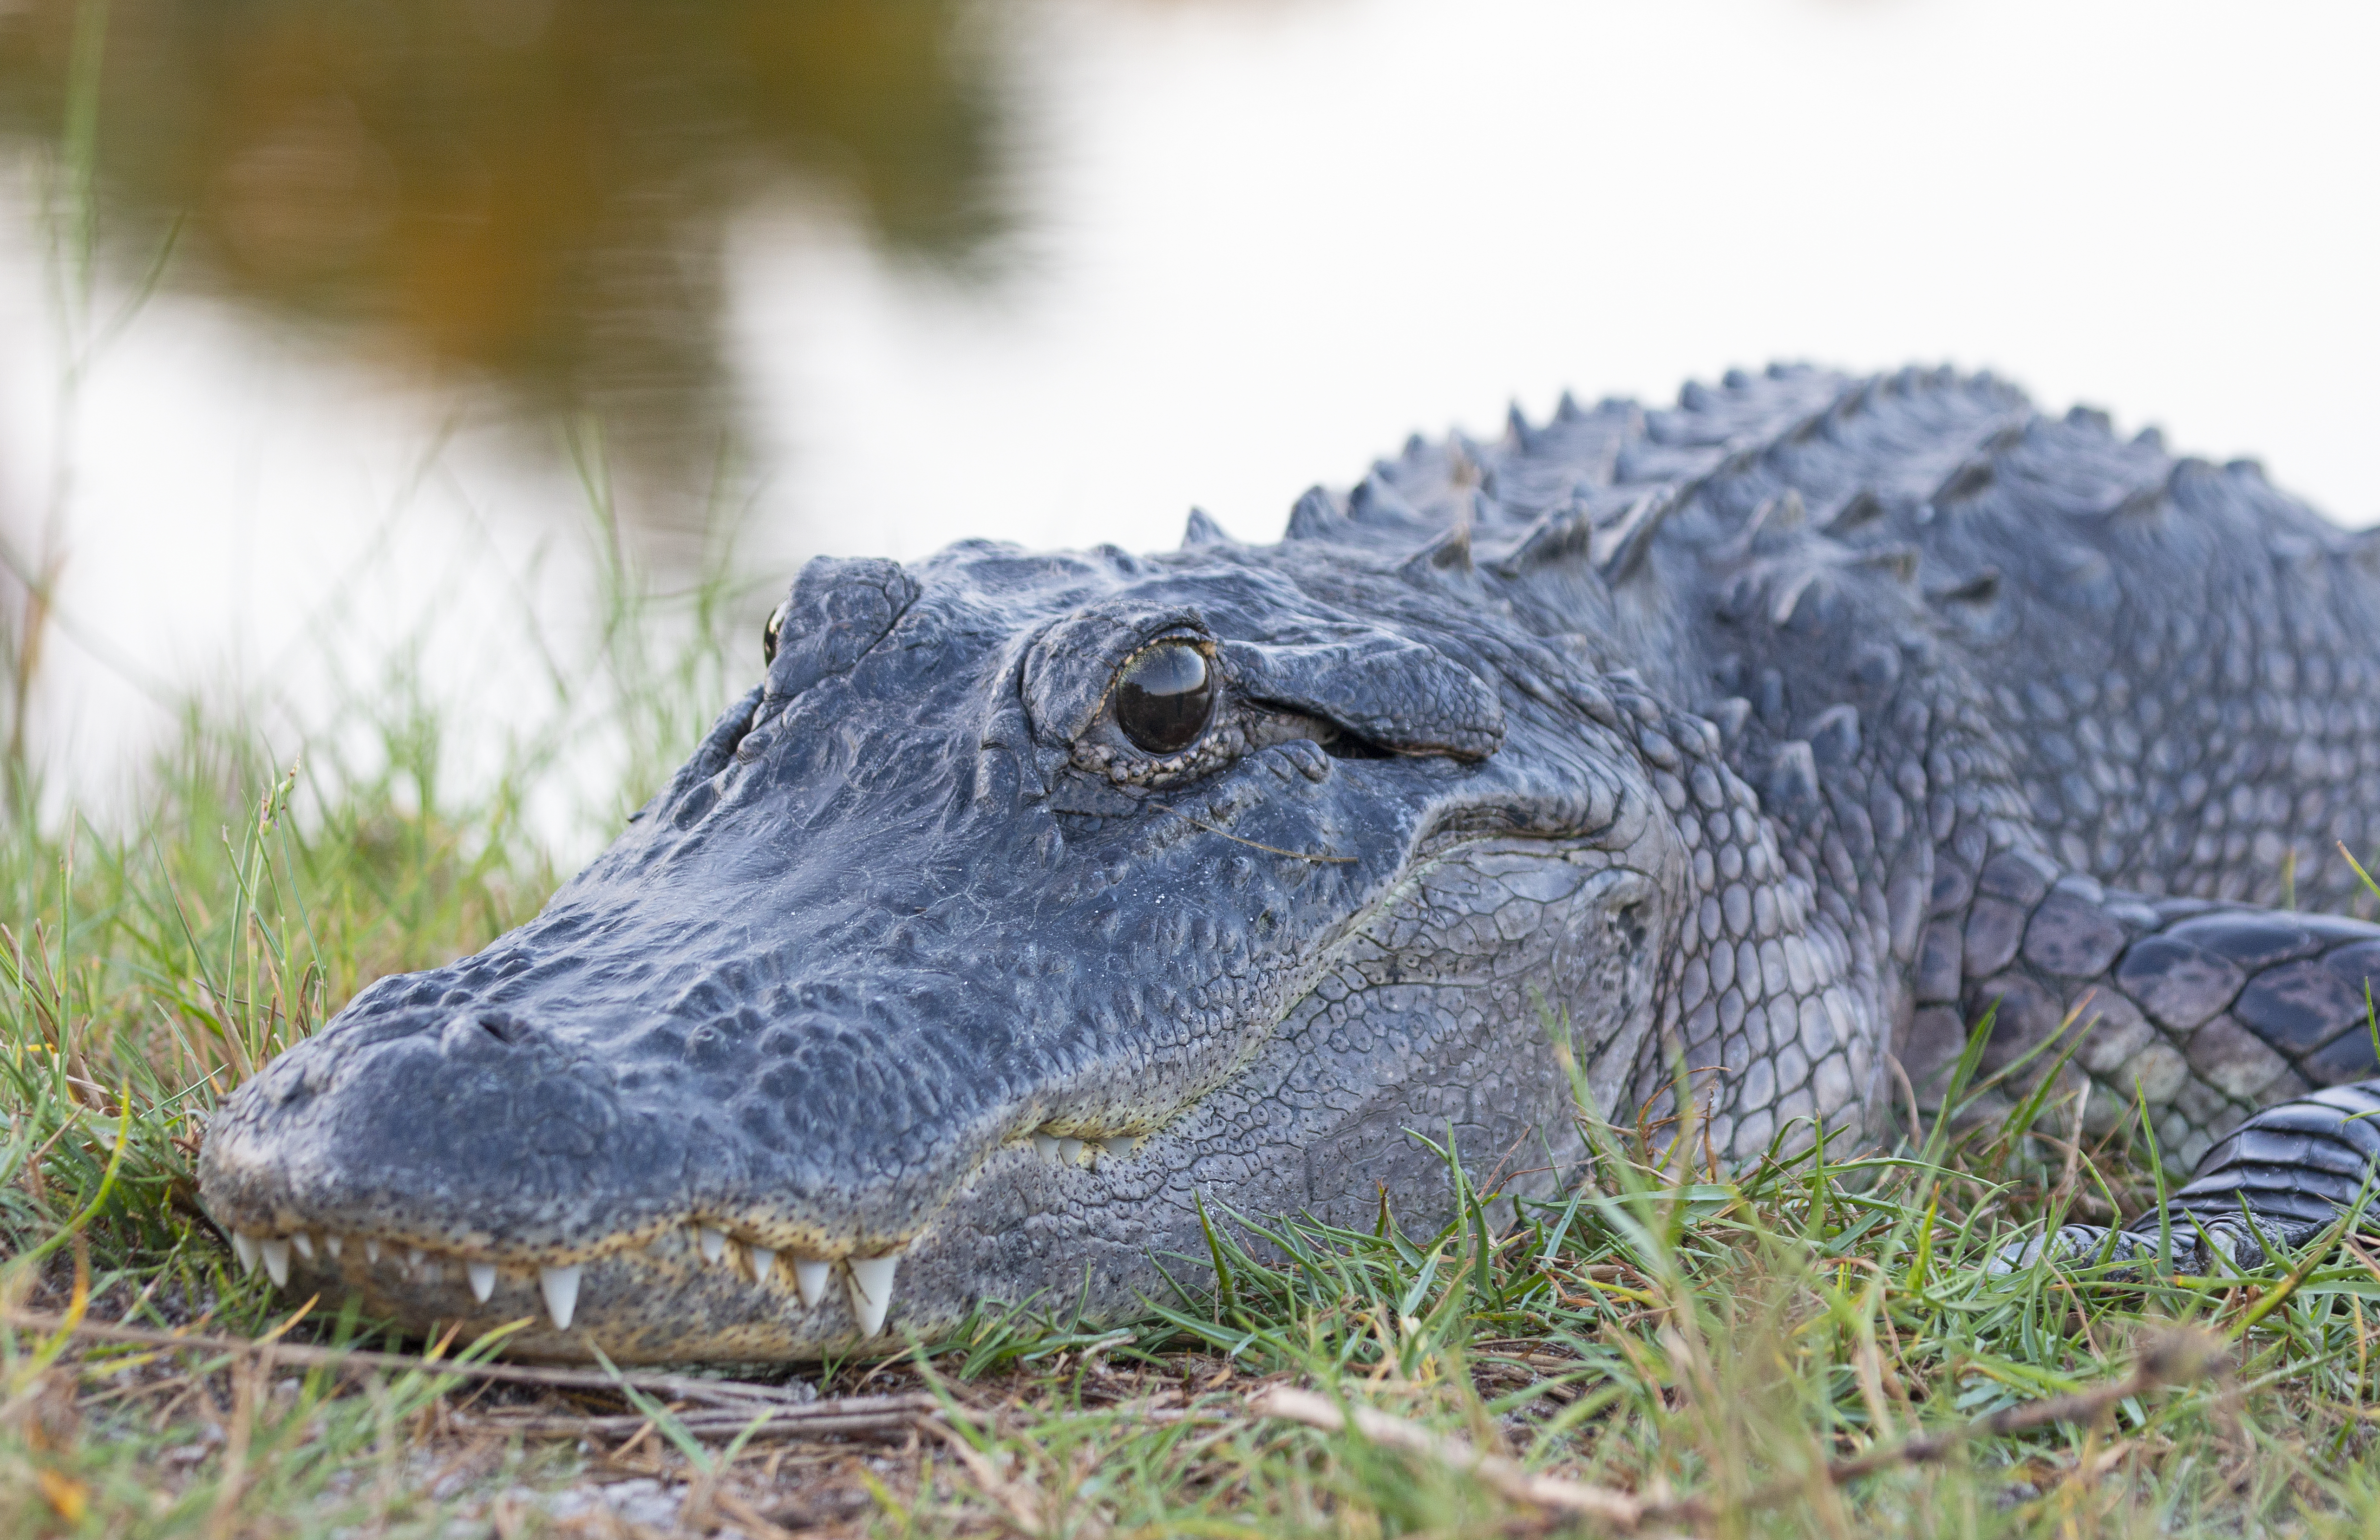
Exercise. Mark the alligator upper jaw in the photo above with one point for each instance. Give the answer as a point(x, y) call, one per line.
point(689, 1291)
point(701, 1287)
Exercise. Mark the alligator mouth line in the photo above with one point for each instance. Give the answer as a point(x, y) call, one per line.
point(403, 1265)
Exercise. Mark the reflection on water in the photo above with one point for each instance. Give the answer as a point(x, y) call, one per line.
point(520, 192)
point(1241, 245)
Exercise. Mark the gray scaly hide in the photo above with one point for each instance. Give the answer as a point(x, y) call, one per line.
point(1031, 900)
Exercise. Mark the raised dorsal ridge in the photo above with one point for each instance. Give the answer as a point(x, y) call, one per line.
point(2142, 500)
point(1563, 535)
point(1376, 501)
point(1861, 507)
point(1741, 456)
point(1447, 556)
point(1979, 587)
point(1793, 775)
point(1901, 560)
point(1835, 735)
point(1789, 592)
point(1316, 516)
point(1969, 479)
point(1629, 540)
point(1202, 532)
point(1771, 516)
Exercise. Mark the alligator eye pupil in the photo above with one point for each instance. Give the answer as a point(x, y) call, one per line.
point(1164, 696)
point(768, 636)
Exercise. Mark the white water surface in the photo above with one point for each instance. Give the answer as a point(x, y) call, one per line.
point(1260, 244)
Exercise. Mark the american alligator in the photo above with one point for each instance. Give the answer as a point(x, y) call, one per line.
point(1768, 739)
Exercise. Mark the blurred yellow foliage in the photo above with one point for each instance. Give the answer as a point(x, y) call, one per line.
point(68, 1497)
point(525, 191)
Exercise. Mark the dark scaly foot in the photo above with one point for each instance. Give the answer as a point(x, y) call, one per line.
point(2294, 1168)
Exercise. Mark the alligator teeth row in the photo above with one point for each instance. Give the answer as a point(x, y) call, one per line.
point(1069, 1151)
point(560, 1285)
point(868, 1279)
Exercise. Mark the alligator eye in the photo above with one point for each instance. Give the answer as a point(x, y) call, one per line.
point(1162, 698)
point(769, 634)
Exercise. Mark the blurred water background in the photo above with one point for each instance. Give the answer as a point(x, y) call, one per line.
point(349, 346)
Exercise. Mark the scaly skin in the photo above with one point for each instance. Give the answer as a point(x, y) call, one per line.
point(1773, 735)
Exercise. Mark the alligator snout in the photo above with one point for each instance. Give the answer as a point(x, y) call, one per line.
point(766, 1170)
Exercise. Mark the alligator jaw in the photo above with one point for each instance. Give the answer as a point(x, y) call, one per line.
point(688, 1292)
point(705, 1287)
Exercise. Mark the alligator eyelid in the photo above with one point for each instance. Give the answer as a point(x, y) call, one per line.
point(1255, 845)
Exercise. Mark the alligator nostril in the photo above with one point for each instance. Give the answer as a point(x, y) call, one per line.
point(284, 1083)
point(482, 1034)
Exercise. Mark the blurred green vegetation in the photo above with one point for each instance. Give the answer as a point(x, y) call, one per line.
point(527, 193)
point(535, 194)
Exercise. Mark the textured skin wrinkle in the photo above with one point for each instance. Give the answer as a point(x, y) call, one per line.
point(1769, 735)
point(1380, 687)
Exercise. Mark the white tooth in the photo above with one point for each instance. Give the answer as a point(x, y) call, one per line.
point(413, 1256)
point(713, 1242)
point(304, 1245)
point(809, 1278)
point(276, 1260)
point(1070, 1151)
point(244, 1247)
point(371, 1250)
point(1045, 1147)
point(483, 1279)
point(764, 1261)
point(332, 1242)
point(871, 1291)
point(1126, 1145)
point(561, 1286)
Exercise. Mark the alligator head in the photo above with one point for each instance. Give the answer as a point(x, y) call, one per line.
point(1028, 901)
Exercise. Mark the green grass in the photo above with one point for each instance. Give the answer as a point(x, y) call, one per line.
point(1691, 1337)
point(1752, 1352)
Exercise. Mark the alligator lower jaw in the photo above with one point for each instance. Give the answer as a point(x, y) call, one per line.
point(688, 1293)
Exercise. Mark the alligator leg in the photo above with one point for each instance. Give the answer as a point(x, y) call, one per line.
point(2246, 1033)
point(2274, 1182)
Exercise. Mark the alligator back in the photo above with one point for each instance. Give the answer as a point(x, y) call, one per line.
point(1939, 629)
